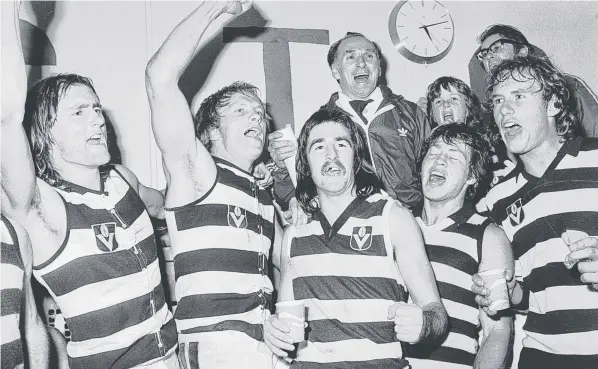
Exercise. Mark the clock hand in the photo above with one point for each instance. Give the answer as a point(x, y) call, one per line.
point(433, 24)
point(427, 32)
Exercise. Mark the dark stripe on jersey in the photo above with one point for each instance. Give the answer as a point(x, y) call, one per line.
point(254, 331)
point(229, 178)
point(562, 321)
point(129, 208)
point(463, 327)
point(217, 304)
point(11, 255)
point(574, 178)
point(12, 354)
point(340, 244)
point(552, 275)
point(112, 319)
point(552, 226)
point(217, 260)
point(457, 294)
point(143, 350)
point(370, 364)
point(101, 267)
point(442, 354)
point(218, 215)
point(452, 257)
point(344, 288)
point(10, 301)
point(535, 359)
point(333, 330)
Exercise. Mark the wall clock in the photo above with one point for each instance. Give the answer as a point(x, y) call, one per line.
point(422, 31)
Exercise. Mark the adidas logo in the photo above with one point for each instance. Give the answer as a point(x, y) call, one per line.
point(402, 132)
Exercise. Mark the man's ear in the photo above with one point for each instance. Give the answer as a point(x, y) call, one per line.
point(554, 106)
point(335, 72)
point(471, 181)
point(215, 134)
point(523, 51)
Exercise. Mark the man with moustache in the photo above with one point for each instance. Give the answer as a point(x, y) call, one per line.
point(547, 207)
point(221, 223)
point(393, 128)
point(459, 243)
point(89, 223)
point(353, 264)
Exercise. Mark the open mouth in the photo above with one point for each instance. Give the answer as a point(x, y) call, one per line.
point(511, 128)
point(253, 133)
point(436, 177)
point(448, 118)
point(333, 170)
point(361, 77)
point(97, 139)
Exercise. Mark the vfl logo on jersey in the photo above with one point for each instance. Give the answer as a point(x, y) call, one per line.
point(105, 236)
point(515, 213)
point(237, 217)
point(361, 238)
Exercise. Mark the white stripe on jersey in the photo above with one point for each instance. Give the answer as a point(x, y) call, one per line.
point(349, 310)
point(456, 241)
point(583, 343)
point(342, 265)
point(504, 189)
point(457, 311)
point(208, 282)
point(553, 250)
point(253, 316)
point(10, 327)
point(375, 221)
point(121, 339)
point(348, 350)
point(83, 299)
point(453, 276)
point(433, 364)
point(461, 342)
point(585, 159)
point(11, 275)
point(236, 239)
point(560, 298)
point(239, 198)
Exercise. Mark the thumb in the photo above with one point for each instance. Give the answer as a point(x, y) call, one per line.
point(392, 310)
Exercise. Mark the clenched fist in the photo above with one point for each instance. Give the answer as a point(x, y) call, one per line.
point(409, 321)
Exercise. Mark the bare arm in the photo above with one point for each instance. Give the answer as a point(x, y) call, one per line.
point(172, 120)
point(34, 332)
point(498, 330)
point(427, 319)
point(285, 292)
point(276, 253)
point(152, 198)
point(18, 174)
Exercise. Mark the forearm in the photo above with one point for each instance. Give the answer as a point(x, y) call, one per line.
point(59, 356)
point(37, 342)
point(520, 297)
point(13, 77)
point(171, 60)
point(435, 322)
point(494, 352)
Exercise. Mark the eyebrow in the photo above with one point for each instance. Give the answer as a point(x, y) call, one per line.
point(85, 105)
point(336, 139)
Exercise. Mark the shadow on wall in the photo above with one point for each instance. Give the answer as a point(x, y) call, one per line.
point(199, 69)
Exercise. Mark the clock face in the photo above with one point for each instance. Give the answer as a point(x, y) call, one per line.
point(422, 31)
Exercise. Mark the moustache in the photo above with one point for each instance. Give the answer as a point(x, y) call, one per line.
point(336, 162)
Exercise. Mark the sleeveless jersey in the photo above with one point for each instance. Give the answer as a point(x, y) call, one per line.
point(221, 244)
point(454, 249)
point(347, 277)
point(106, 279)
point(12, 272)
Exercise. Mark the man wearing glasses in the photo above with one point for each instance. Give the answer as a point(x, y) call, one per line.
point(502, 42)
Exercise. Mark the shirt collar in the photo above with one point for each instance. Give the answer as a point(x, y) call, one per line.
point(376, 96)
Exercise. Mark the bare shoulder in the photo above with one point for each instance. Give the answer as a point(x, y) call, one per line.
point(128, 174)
point(399, 214)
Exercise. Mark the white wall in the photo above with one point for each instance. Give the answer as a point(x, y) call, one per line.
point(112, 41)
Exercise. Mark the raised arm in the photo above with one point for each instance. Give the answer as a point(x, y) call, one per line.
point(172, 120)
point(18, 173)
point(497, 331)
point(427, 319)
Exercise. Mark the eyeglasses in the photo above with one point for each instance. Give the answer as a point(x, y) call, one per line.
point(494, 48)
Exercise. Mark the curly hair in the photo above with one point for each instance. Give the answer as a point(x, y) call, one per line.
point(552, 85)
point(479, 153)
point(208, 115)
point(41, 105)
point(366, 181)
